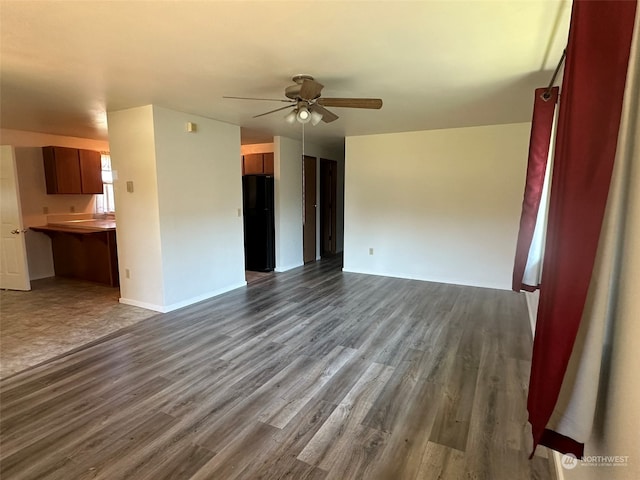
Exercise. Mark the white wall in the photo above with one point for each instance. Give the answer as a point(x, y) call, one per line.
point(439, 205)
point(180, 231)
point(133, 158)
point(33, 192)
point(288, 203)
point(200, 201)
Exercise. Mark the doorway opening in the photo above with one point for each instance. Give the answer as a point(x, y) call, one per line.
point(328, 207)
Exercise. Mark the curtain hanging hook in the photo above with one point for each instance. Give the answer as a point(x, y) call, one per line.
point(547, 93)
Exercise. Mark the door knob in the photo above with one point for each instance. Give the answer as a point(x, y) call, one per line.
point(15, 232)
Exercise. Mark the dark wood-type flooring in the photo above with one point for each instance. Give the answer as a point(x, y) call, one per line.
point(309, 374)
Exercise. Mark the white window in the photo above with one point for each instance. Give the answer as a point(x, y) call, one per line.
point(105, 203)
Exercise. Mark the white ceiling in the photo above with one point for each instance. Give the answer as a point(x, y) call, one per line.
point(436, 64)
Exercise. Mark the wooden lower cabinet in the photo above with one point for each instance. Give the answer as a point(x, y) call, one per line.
point(91, 256)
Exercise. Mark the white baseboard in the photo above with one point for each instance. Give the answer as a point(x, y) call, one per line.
point(288, 267)
point(182, 304)
point(136, 303)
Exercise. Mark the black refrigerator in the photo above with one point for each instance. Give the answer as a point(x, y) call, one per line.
point(259, 229)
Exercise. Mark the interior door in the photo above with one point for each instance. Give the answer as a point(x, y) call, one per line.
point(328, 204)
point(14, 273)
point(310, 205)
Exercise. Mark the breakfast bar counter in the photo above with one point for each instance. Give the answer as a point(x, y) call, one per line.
point(84, 249)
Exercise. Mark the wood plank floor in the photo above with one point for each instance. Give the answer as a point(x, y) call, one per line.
point(309, 374)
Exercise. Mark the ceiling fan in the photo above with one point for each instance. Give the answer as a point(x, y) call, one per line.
point(308, 106)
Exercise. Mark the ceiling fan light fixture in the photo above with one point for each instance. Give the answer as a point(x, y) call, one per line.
point(308, 104)
point(315, 117)
point(291, 117)
point(304, 116)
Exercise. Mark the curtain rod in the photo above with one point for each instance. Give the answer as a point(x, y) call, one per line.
point(547, 94)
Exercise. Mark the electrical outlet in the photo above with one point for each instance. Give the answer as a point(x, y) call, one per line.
point(45, 210)
point(127, 274)
point(72, 209)
point(239, 212)
point(371, 251)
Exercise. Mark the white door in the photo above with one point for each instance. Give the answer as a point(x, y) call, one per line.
point(14, 273)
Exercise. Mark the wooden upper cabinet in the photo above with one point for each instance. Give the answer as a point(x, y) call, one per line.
point(72, 171)
point(257, 163)
point(267, 159)
point(62, 170)
point(253, 164)
point(90, 171)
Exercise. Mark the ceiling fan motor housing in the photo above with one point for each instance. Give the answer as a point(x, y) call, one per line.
point(293, 91)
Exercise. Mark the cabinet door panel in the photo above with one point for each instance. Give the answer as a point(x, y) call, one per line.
point(268, 163)
point(91, 171)
point(253, 164)
point(62, 168)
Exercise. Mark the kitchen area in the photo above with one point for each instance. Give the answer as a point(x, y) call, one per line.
point(70, 241)
point(70, 228)
point(69, 224)
point(83, 245)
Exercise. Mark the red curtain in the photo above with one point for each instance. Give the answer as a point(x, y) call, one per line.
point(589, 117)
point(541, 126)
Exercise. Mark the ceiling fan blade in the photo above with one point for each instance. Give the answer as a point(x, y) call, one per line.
point(273, 111)
point(327, 116)
point(266, 99)
point(374, 103)
point(310, 89)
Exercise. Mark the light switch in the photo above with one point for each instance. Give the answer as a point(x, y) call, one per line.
point(129, 186)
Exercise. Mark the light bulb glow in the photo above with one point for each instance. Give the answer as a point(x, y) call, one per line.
point(303, 115)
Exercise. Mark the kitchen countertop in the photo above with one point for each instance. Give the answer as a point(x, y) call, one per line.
point(78, 226)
